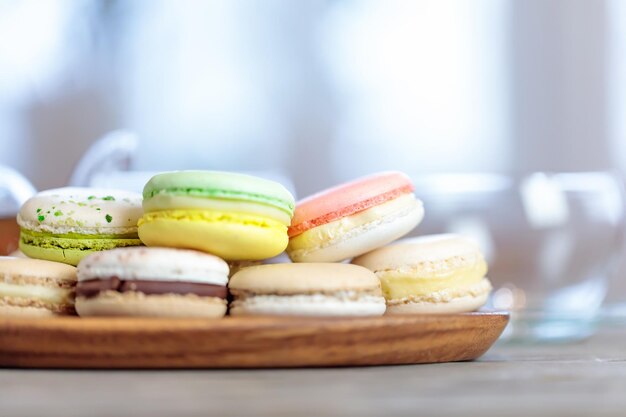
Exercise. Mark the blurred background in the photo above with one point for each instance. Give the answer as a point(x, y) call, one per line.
point(320, 91)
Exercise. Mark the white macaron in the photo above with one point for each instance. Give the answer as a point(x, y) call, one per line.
point(306, 289)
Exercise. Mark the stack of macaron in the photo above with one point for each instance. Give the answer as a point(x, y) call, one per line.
point(167, 253)
point(360, 221)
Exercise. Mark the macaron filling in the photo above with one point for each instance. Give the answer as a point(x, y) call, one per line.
point(302, 227)
point(397, 286)
point(77, 241)
point(56, 298)
point(93, 287)
point(322, 303)
point(211, 217)
point(239, 294)
point(482, 288)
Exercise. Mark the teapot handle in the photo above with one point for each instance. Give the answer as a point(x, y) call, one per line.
point(113, 152)
point(15, 185)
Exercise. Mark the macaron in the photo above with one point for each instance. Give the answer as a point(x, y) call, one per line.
point(67, 224)
point(32, 287)
point(353, 218)
point(152, 282)
point(320, 289)
point(430, 274)
point(236, 266)
point(233, 216)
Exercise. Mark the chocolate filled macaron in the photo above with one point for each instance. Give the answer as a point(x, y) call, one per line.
point(152, 282)
point(306, 289)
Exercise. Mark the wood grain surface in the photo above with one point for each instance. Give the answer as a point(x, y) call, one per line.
point(259, 342)
point(9, 235)
point(578, 379)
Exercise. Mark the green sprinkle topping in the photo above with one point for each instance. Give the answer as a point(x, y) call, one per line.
point(81, 204)
point(98, 208)
point(41, 218)
point(109, 198)
point(91, 197)
point(109, 218)
point(58, 213)
point(38, 210)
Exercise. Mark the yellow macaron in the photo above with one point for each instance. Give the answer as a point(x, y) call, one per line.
point(430, 274)
point(233, 216)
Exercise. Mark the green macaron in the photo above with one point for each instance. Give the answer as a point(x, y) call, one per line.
point(231, 215)
point(67, 224)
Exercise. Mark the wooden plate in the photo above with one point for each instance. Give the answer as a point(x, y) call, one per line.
point(260, 342)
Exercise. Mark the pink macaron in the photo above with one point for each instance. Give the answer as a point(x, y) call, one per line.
point(353, 218)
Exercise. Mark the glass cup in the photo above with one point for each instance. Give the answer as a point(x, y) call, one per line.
point(551, 240)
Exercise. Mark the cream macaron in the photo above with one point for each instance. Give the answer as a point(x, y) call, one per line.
point(306, 289)
point(32, 287)
point(152, 282)
point(430, 274)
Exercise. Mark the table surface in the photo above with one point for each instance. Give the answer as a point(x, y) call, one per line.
point(576, 379)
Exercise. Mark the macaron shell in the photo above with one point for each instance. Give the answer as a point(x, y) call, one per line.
point(130, 304)
point(411, 252)
point(347, 199)
point(24, 311)
point(155, 264)
point(82, 210)
point(231, 236)
point(333, 243)
point(221, 185)
point(36, 268)
point(304, 278)
point(72, 256)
